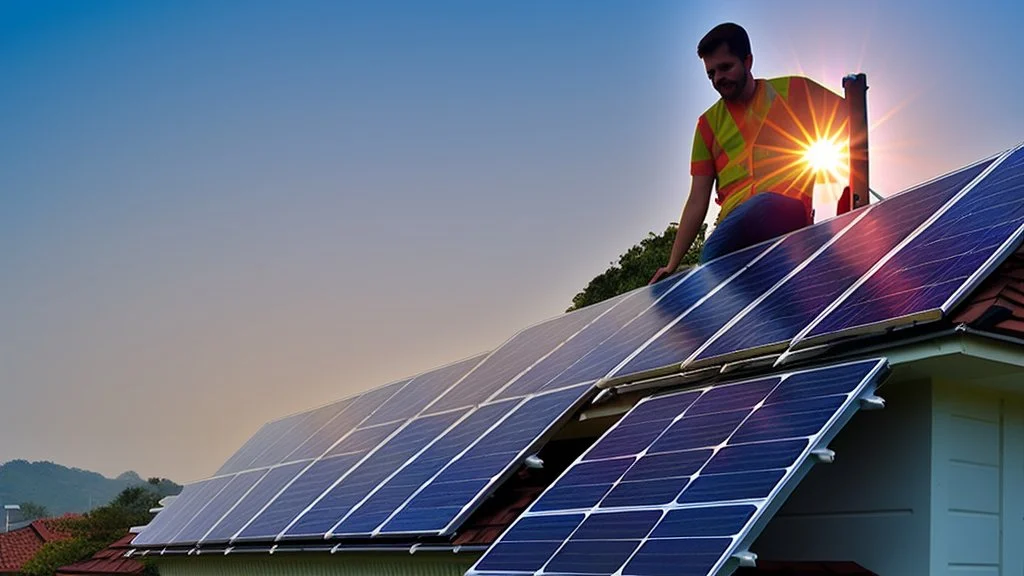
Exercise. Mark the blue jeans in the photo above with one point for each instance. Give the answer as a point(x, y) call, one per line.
point(762, 217)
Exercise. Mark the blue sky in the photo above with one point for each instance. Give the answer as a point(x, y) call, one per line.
point(214, 214)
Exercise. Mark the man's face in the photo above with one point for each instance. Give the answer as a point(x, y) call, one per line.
point(728, 74)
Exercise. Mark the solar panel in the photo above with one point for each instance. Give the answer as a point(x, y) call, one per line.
point(381, 503)
point(693, 287)
point(216, 507)
point(685, 480)
point(687, 333)
point(443, 502)
point(517, 355)
point(770, 322)
point(192, 498)
point(423, 390)
point(251, 503)
point(312, 504)
point(543, 375)
point(358, 410)
point(931, 273)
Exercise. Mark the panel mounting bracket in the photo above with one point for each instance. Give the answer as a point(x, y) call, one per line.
point(823, 456)
point(872, 402)
point(746, 558)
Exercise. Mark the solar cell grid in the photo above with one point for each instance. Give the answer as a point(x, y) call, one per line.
point(217, 507)
point(517, 355)
point(689, 332)
point(336, 502)
point(445, 499)
point(601, 360)
point(259, 496)
point(378, 506)
point(925, 278)
point(543, 375)
point(684, 500)
point(772, 321)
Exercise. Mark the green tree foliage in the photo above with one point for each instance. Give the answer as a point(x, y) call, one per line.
point(636, 267)
point(95, 530)
point(32, 511)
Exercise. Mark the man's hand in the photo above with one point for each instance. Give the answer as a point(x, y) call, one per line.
point(661, 273)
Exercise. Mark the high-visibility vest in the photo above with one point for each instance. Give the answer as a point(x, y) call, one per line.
point(758, 145)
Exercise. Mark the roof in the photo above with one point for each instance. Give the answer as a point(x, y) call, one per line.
point(18, 546)
point(110, 560)
point(998, 304)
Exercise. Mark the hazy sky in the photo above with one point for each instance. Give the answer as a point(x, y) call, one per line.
point(215, 214)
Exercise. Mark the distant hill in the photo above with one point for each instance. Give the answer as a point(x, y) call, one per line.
point(61, 489)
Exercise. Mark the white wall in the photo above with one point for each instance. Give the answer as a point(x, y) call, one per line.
point(872, 505)
point(978, 482)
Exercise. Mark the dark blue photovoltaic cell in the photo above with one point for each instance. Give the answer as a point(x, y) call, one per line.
point(518, 556)
point(644, 493)
point(546, 370)
point(572, 497)
point(169, 519)
point(728, 398)
point(803, 385)
point(788, 310)
point(591, 556)
point(935, 264)
point(516, 355)
point(760, 456)
point(692, 432)
point(296, 497)
point(677, 557)
point(441, 501)
point(704, 522)
point(669, 465)
point(371, 472)
point(683, 339)
point(605, 357)
point(641, 426)
point(256, 499)
point(549, 528)
point(618, 525)
point(354, 416)
point(421, 391)
point(726, 487)
point(680, 510)
point(378, 507)
point(217, 507)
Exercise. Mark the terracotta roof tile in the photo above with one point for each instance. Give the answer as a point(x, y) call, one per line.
point(19, 546)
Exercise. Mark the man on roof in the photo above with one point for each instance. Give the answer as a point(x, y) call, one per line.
point(750, 146)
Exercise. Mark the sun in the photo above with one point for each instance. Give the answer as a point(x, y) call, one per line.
point(825, 157)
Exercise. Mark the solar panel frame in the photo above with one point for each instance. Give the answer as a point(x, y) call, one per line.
point(806, 338)
point(765, 507)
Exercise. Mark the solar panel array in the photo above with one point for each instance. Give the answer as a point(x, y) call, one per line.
point(677, 486)
point(416, 457)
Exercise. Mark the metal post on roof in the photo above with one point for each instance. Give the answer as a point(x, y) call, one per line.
point(856, 89)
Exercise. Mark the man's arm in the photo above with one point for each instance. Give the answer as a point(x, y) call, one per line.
point(694, 212)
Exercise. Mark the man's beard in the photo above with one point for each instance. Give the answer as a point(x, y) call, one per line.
point(732, 92)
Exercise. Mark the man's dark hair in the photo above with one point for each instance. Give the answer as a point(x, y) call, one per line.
point(732, 35)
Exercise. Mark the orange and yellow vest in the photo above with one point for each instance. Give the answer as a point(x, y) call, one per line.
point(757, 146)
